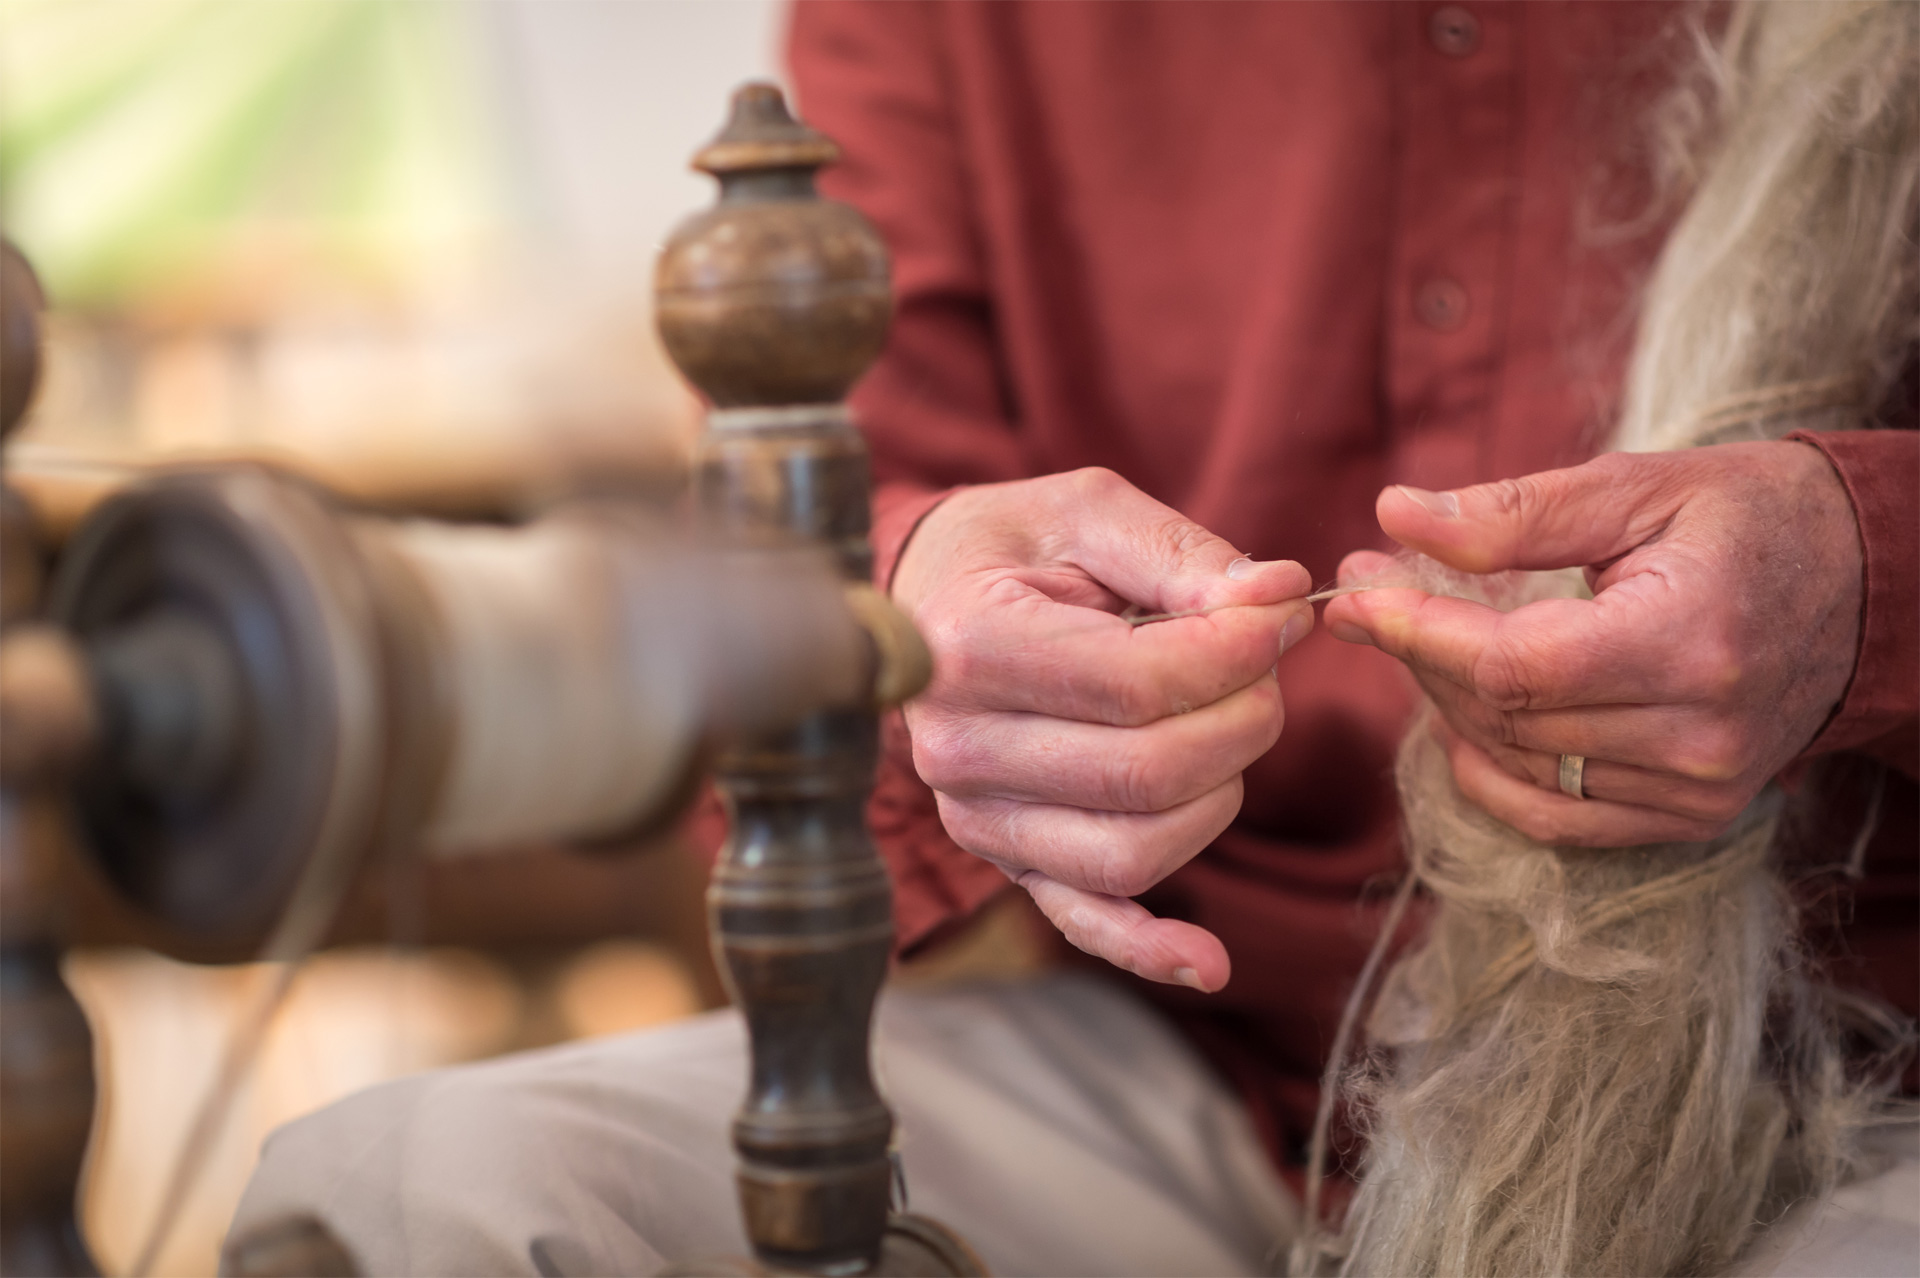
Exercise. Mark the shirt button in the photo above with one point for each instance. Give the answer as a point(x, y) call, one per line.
point(1441, 304)
point(1454, 31)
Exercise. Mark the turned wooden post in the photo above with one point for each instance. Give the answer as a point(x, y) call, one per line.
point(46, 1050)
point(773, 303)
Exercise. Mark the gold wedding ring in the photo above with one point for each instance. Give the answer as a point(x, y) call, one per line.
point(1573, 768)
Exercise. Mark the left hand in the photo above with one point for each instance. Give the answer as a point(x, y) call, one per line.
point(1727, 588)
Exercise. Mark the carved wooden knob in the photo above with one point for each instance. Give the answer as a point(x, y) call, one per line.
point(774, 296)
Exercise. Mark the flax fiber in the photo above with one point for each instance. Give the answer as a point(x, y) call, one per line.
point(1620, 1061)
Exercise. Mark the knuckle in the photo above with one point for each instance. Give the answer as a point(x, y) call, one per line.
point(1540, 825)
point(965, 825)
point(1503, 677)
point(1535, 821)
point(931, 766)
point(1516, 765)
point(1715, 753)
point(1502, 725)
point(1127, 872)
point(943, 753)
point(1183, 540)
point(1125, 702)
point(1274, 716)
point(1004, 590)
point(956, 659)
point(1510, 498)
point(1095, 482)
point(1521, 501)
point(1714, 806)
point(957, 636)
point(1134, 784)
point(1718, 666)
point(1143, 781)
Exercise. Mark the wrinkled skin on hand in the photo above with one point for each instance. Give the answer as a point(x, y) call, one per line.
point(1722, 633)
point(1085, 757)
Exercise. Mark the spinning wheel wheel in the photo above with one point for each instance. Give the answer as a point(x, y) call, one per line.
point(235, 653)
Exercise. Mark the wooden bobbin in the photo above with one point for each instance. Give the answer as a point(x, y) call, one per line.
point(274, 682)
point(772, 303)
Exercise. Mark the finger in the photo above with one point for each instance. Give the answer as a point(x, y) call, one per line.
point(1560, 820)
point(1688, 742)
point(1554, 519)
point(1150, 553)
point(1361, 566)
point(1045, 658)
point(1127, 936)
point(1040, 759)
point(1109, 853)
point(1627, 644)
point(1621, 783)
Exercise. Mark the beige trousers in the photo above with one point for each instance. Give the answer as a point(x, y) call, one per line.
point(1059, 1125)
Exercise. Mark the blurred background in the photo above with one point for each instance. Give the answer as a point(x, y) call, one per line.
point(403, 246)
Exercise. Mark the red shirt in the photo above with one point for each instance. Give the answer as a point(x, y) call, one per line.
point(1264, 259)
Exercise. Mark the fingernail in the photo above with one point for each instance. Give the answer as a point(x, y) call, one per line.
point(1296, 628)
point(1444, 505)
point(1347, 632)
point(1189, 977)
point(1241, 567)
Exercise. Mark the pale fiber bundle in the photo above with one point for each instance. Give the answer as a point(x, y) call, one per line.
point(1787, 290)
point(1600, 1055)
point(1617, 1061)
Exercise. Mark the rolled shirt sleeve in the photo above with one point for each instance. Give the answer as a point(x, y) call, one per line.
point(1880, 713)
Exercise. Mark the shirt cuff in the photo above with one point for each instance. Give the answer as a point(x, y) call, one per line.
point(1880, 713)
point(898, 509)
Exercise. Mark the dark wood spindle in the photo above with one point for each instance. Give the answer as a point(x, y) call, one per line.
point(773, 302)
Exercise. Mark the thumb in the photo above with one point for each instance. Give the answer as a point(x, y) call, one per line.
point(1567, 518)
point(1150, 553)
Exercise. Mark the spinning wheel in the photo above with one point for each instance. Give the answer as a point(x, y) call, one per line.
point(242, 692)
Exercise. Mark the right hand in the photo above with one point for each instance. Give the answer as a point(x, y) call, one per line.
point(1085, 757)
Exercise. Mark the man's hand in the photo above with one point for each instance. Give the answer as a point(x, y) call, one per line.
point(1722, 632)
point(1086, 757)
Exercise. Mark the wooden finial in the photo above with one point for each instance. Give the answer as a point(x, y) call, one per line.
point(774, 296)
point(761, 135)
